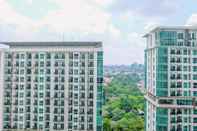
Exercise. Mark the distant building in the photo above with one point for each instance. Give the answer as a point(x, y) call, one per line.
point(171, 79)
point(49, 86)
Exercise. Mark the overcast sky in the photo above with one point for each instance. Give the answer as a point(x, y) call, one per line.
point(119, 24)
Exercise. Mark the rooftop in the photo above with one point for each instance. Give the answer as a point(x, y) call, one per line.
point(70, 44)
point(171, 28)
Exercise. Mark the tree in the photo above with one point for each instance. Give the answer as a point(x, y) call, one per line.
point(124, 100)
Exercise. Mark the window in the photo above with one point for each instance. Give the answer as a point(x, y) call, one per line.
point(194, 52)
point(91, 55)
point(195, 77)
point(180, 43)
point(91, 72)
point(82, 55)
point(75, 72)
point(172, 51)
point(193, 36)
point(76, 64)
point(194, 85)
point(91, 80)
point(41, 56)
point(194, 60)
point(48, 71)
point(48, 56)
point(76, 80)
point(195, 68)
point(195, 111)
point(91, 64)
point(195, 120)
point(186, 85)
point(195, 128)
point(76, 56)
point(76, 87)
point(185, 77)
point(180, 36)
point(22, 56)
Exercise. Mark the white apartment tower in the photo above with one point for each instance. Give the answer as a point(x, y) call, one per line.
point(171, 79)
point(51, 86)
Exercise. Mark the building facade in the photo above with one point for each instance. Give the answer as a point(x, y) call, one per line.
point(49, 86)
point(171, 79)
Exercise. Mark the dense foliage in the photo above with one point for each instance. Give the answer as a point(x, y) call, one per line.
point(123, 104)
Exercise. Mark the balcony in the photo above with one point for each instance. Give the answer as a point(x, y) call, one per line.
point(179, 128)
point(172, 52)
point(15, 103)
point(7, 103)
point(82, 103)
point(173, 112)
point(194, 85)
point(179, 85)
point(172, 77)
point(15, 118)
point(179, 94)
point(178, 60)
point(178, 69)
point(172, 69)
point(178, 77)
point(172, 60)
point(91, 64)
point(172, 93)
point(179, 112)
point(179, 120)
point(178, 52)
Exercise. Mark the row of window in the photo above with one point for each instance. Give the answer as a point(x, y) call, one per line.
point(48, 64)
point(47, 94)
point(179, 76)
point(56, 126)
point(47, 55)
point(182, 52)
point(181, 60)
point(56, 110)
point(48, 71)
point(48, 87)
point(48, 79)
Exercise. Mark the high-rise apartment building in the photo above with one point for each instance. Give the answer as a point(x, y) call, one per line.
point(49, 86)
point(171, 79)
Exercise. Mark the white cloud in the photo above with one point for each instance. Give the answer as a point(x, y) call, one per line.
point(77, 16)
point(9, 16)
point(114, 31)
point(29, 2)
point(136, 41)
point(129, 48)
point(77, 20)
point(192, 20)
point(74, 20)
point(80, 16)
point(136, 45)
point(104, 3)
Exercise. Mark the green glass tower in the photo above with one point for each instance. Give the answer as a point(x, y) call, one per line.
point(51, 86)
point(171, 79)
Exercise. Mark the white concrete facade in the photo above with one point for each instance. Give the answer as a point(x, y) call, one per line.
point(49, 87)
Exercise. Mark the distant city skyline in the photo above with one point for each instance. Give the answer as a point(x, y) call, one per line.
point(119, 24)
